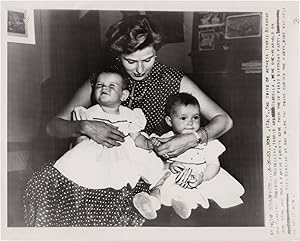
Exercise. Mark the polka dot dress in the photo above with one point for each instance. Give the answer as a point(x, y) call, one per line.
point(52, 200)
point(151, 94)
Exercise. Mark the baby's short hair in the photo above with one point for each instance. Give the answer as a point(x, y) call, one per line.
point(179, 99)
point(93, 78)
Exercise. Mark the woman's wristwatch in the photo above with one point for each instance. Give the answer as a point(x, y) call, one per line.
point(203, 138)
point(199, 139)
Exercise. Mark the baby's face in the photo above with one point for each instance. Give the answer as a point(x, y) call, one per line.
point(108, 89)
point(185, 119)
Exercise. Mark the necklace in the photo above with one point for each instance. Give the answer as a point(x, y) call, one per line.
point(131, 96)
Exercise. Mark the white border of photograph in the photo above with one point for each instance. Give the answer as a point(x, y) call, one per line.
point(29, 36)
point(165, 233)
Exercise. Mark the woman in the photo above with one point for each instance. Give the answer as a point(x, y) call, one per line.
point(134, 43)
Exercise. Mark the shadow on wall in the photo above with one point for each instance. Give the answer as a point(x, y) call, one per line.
point(42, 150)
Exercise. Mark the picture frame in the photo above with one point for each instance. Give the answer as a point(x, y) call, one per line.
point(20, 26)
point(211, 20)
point(243, 26)
point(206, 40)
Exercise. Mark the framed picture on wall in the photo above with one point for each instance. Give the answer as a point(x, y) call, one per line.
point(243, 26)
point(206, 40)
point(20, 26)
point(211, 19)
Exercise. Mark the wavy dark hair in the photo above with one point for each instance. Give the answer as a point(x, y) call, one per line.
point(179, 99)
point(132, 33)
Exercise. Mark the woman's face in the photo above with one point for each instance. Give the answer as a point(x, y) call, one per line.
point(139, 64)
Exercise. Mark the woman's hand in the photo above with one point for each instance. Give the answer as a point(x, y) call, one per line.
point(195, 179)
point(102, 133)
point(174, 146)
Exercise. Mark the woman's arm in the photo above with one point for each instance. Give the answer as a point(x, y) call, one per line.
point(219, 122)
point(62, 126)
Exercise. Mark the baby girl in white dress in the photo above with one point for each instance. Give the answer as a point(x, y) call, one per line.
point(196, 174)
point(95, 166)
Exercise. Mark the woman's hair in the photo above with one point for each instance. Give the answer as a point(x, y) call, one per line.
point(132, 33)
point(93, 78)
point(179, 99)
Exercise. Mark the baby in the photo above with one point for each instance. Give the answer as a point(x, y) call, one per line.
point(196, 174)
point(95, 166)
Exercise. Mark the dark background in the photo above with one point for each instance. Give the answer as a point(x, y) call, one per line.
point(70, 46)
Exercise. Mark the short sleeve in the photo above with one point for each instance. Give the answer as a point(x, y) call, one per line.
point(138, 120)
point(79, 113)
point(214, 149)
point(166, 135)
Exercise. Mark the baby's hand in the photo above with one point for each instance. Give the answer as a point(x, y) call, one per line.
point(189, 179)
point(152, 143)
point(195, 179)
point(155, 141)
point(183, 177)
point(176, 167)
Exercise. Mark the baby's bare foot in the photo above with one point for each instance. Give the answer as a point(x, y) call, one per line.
point(143, 202)
point(181, 209)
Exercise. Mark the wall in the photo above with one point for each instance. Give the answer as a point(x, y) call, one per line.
point(44, 76)
point(177, 54)
point(24, 75)
point(106, 18)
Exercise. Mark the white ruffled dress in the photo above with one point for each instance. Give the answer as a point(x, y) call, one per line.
point(224, 189)
point(95, 166)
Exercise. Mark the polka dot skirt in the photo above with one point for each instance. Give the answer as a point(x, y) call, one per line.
point(51, 199)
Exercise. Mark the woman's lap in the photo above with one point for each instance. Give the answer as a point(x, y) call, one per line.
point(50, 199)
